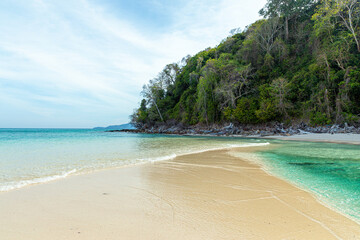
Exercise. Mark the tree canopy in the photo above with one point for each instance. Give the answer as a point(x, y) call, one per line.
point(300, 63)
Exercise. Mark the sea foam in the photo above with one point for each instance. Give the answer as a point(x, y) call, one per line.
point(34, 156)
point(24, 183)
point(189, 152)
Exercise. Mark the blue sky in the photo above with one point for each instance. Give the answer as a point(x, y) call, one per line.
point(83, 63)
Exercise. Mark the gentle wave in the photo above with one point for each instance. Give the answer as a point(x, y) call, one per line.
point(157, 159)
point(20, 184)
point(228, 146)
point(25, 183)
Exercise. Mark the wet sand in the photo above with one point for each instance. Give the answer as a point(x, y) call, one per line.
point(210, 195)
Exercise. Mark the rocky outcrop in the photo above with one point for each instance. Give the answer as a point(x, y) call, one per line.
point(231, 129)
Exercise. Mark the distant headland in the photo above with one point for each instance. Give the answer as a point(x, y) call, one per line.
point(116, 127)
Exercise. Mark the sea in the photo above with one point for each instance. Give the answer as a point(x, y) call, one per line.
point(34, 156)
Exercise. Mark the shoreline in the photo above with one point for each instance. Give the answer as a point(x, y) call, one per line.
point(230, 129)
point(340, 138)
point(314, 195)
point(75, 172)
point(151, 178)
point(346, 135)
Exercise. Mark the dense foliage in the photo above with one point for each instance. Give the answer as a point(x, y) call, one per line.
point(301, 62)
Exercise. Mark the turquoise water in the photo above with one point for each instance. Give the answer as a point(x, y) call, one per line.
point(331, 171)
point(30, 156)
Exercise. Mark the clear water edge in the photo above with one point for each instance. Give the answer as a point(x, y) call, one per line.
point(290, 161)
point(332, 200)
point(33, 156)
point(76, 172)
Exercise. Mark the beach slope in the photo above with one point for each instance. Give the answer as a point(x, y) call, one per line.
point(210, 195)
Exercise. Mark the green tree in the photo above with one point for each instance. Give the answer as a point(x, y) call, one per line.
point(205, 97)
point(153, 92)
point(267, 33)
point(140, 116)
point(346, 12)
point(286, 9)
point(280, 91)
point(245, 111)
point(234, 83)
point(257, 75)
point(267, 110)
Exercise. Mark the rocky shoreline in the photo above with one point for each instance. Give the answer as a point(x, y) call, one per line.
point(242, 130)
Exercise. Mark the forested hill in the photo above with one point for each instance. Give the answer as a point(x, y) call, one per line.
point(300, 63)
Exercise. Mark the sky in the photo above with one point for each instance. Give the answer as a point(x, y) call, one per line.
point(82, 63)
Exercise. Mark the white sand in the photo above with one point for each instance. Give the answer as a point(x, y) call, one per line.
point(210, 195)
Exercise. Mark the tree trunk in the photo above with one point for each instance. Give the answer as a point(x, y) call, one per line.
point(286, 28)
point(158, 110)
point(338, 111)
point(206, 115)
point(356, 41)
point(352, 30)
point(327, 103)
point(342, 99)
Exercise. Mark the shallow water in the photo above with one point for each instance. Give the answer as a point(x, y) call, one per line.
point(30, 156)
point(331, 171)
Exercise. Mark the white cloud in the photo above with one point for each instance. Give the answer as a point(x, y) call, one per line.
point(82, 56)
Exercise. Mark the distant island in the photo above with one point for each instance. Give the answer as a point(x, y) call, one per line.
point(128, 126)
point(300, 65)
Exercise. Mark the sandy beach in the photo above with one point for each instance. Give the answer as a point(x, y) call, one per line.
point(180, 120)
point(210, 195)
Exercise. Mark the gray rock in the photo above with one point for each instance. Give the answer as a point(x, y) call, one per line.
point(230, 126)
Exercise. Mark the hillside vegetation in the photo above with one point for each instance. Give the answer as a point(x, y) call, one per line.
point(300, 63)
